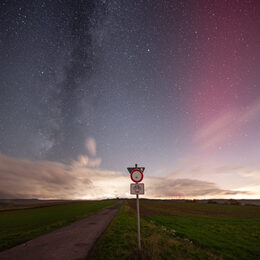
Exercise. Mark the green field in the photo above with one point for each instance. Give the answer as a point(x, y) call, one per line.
point(17, 226)
point(183, 230)
point(169, 229)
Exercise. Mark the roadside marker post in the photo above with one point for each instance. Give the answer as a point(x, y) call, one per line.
point(136, 175)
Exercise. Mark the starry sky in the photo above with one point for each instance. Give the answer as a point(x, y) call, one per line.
point(89, 88)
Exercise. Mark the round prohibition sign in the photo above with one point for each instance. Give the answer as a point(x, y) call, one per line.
point(136, 175)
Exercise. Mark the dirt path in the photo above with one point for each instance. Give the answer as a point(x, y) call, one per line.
point(72, 242)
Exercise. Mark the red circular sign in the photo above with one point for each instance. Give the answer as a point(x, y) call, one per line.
point(136, 175)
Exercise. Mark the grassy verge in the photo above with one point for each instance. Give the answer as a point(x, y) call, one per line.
point(120, 241)
point(21, 225)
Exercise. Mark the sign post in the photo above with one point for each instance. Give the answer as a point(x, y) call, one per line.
point(137, 188)
point(138, 221)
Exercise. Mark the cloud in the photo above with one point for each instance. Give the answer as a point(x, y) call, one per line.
point(252, 173)
point(215, 131)
point(249, 189)
point(85, 161)
point(22, 178)
point(90, 144)
point(186, 188)
point(220, 129)
point(228, 169)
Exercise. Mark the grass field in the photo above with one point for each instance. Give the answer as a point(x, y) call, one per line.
point(183, 230)
point(11, 206)
point(17, 226)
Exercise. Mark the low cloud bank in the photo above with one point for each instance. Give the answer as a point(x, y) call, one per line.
point(184, 188)
point(22, 178)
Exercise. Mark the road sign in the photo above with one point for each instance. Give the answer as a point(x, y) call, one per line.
point(136, 188)
point(136, 175)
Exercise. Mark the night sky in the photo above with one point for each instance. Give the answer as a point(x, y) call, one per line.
point(88, 88)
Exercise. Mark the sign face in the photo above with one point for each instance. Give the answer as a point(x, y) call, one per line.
point(136, 188)
point(136, 175)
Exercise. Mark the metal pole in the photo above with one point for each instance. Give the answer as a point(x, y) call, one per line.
point(138, 222)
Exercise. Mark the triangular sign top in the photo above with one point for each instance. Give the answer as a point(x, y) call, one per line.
point(130, 169)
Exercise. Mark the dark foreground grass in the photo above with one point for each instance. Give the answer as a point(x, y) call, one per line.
point(18, 226)
point(120, 241)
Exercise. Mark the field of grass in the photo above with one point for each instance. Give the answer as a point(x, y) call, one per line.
point(7, 207)
point(181, 230)
point(230, 231)
point(120, 241)
point(17, 226)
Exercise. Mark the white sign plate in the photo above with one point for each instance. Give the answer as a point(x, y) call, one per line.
point(136, 188)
